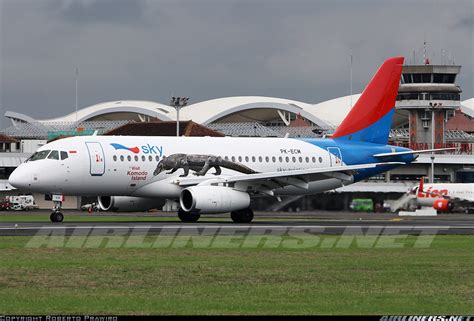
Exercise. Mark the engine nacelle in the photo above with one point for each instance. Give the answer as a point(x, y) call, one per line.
point(213, 199)
point(128, 203)
point(443, 205)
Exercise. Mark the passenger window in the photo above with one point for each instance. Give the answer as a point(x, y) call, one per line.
point(246, 158)
point(121, 158)
point(63, 155)
point(313, 159)
point(253, 159)
point(320, 159)
point(53, 155)
point(115, 158)
point(143, 158)
point(307, 159)
point(273, 159)
point(136, 158)
point(260, 159)
point(280, 159)
point(287, 159)
point(150, 158)
point(233, 158)
point(293, 159)
point(300, 159)
point(240, 158)
point(267, 159)
point(157, 158)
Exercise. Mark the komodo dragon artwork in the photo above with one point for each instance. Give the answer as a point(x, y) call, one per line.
point(201, 164)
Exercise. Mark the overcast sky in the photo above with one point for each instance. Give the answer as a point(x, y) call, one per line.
point(151, 49)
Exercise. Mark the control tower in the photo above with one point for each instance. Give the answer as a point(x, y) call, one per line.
point(426, 89)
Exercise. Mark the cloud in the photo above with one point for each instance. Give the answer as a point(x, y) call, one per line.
point(99, 11)
point(150, 49)
point(466, 23)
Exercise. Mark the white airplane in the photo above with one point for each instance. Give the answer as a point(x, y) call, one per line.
point(220, 175)
point(445, 197)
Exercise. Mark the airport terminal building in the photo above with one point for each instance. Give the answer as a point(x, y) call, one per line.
point(429, 112)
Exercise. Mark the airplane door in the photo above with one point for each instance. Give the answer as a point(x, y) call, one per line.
point(96, 158)
point(335, 156)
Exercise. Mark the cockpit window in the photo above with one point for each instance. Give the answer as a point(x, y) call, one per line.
point(63, 155)
point(54, 155)
point(39, 155)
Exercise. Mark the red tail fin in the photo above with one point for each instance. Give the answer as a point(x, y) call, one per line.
point(371, 117)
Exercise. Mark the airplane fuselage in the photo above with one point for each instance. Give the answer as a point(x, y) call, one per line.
point(434, 192)
point(124, 165)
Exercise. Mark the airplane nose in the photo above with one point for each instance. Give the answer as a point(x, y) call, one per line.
point(18, 179)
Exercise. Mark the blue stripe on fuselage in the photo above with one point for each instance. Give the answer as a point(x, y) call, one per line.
point(356, 153)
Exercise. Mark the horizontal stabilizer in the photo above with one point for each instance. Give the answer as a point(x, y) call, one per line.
point(412, 152)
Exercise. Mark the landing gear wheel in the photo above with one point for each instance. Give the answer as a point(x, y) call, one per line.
point(59, 217)
point(242, 216)
point(188, 217)
point(56, 217)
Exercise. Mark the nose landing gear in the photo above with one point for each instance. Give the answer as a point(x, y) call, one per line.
point(57, 216)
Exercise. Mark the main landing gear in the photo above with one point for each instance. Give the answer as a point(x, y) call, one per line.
point(188, 217)
point(242, 216)
point(57, 216)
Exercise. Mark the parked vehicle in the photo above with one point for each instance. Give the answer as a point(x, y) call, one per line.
point(362, 205)
point(21, 202)
point(93, 207)
point(5, 205)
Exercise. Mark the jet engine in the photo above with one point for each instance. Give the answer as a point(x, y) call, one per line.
point(213, 199)
point(443, 205)
point(128, 203)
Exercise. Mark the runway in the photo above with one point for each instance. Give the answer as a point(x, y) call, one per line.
point(267, 224)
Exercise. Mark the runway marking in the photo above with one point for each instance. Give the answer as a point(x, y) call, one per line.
point(238, 227)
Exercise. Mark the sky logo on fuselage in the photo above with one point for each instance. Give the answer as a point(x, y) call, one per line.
point(152, 149)
point(146, 149)
point(134, 150)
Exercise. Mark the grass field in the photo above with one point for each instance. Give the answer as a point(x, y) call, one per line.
point(436, 280)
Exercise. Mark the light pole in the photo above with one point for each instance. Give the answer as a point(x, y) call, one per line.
point(77, 85)
point(178, 103)
point(433, 108)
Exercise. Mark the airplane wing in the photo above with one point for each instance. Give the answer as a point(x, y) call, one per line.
point(299, 178)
